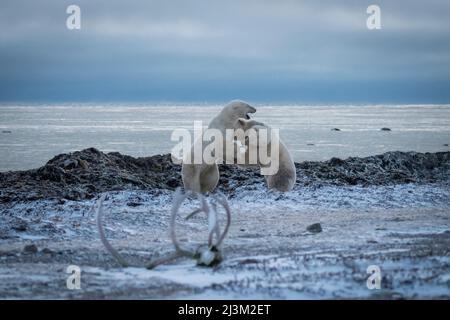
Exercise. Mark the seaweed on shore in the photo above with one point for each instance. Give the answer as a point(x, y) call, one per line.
point(86, 173)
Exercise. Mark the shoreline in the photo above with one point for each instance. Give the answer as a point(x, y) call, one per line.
point(86, 173)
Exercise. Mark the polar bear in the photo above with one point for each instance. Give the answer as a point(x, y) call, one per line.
point(204, 177)
point(285, 177)
point(233, 111)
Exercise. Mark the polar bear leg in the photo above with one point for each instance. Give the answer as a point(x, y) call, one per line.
point(283, 180)
point(190, 174)
point(209, 178)
point(200, 177)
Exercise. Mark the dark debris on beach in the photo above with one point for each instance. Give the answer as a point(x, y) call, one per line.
point(83, 174)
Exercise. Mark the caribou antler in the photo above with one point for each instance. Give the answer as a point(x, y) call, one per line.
point(209, 256)
point(105, 242)
point(220, 198)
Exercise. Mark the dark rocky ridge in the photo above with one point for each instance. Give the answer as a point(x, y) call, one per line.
point(83, 174)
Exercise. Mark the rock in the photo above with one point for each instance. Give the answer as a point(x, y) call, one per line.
point(336, 161)
point(314, 228)
point(385, 129)
point(20, 225)
point(30, 248)
point(310, 144)
point(70, 164)
point(173, 183)
point(6, 131)
point(47, 251)
point(248, 261)
point(134, 204)
point(445, 144)
point(51, 173)
point(335, 129)
point(83, 164)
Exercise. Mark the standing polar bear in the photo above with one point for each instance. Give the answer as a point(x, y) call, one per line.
point(282, 179)
point(203, 177)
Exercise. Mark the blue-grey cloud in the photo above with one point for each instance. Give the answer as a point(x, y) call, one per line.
point(198, 50)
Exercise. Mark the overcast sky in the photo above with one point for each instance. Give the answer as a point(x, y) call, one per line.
point(199, 50)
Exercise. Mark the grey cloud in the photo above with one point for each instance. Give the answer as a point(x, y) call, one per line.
point(198, 49)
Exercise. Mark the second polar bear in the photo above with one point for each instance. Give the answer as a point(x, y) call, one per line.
point(204, 177)
point(285, 177)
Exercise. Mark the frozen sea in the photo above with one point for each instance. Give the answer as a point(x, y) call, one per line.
point(30, 135)
point(269, 252)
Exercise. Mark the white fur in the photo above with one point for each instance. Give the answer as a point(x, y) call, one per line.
point(204, 177)
point(284, 178)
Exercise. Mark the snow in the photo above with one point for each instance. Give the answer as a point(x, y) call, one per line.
point(405, 229)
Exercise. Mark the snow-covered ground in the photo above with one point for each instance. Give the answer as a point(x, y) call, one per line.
point(403, 229)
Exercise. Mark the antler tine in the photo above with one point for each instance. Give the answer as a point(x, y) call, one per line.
point(190, 215)
point(101, 232)
point(222, 200)
point(179, 197)
point(156, 262)
point(211, 215)
point(213, 222)
point(203, 207)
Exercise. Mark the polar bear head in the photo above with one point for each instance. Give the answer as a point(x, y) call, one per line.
point(261, 144)
point(258, 128)
point(237, 109)
point(246, 124)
